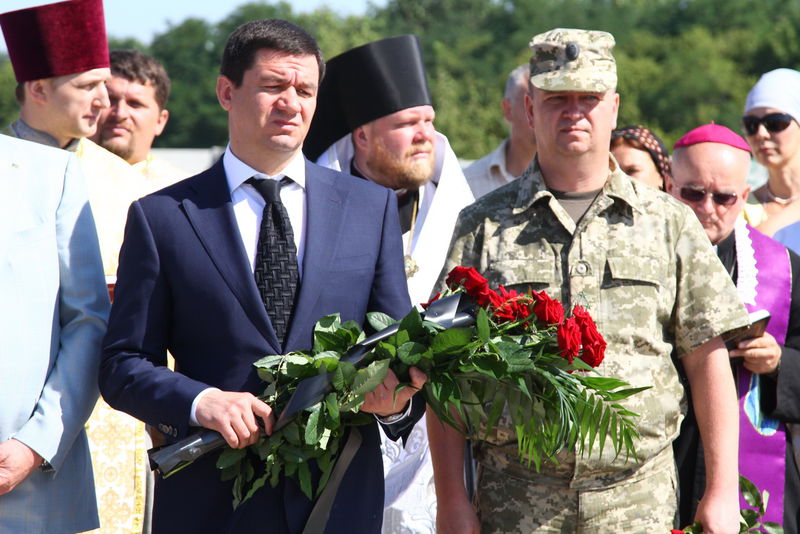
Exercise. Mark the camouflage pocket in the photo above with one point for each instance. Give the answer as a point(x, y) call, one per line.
point(523, 274)
point(631, 294)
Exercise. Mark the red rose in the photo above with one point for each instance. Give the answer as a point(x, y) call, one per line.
point(485, 297)
point(434, 299)
point(569, 339)
point(594, 346)
point(466, 277)
point(514, 307)
point(547, 309)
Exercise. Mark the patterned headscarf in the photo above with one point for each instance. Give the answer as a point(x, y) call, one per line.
point(648, 141)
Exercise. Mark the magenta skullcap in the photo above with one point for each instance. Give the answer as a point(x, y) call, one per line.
point(713, 133)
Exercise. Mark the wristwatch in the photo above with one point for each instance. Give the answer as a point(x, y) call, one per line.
point(395, 417)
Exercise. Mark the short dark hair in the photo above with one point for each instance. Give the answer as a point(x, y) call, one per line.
point(138, 67)
point(266, 34)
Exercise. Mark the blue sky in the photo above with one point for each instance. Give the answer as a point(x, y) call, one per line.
point(144, 18)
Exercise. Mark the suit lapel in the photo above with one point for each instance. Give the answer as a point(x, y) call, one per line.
point(325, 205)
point(211, 215)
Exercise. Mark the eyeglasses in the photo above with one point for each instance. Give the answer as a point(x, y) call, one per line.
point(773, 122)
point(692, 195)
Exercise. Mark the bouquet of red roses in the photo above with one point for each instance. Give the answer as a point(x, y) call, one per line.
point(521, 358)
point(516, 353)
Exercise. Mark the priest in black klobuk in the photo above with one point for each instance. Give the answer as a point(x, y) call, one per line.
point(374, 120)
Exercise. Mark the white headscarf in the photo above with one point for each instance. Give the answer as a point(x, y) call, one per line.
point(779, 89)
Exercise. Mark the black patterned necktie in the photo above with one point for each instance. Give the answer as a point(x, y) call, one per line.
point(275, 270)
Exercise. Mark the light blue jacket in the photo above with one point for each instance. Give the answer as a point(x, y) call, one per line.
point(53, 311)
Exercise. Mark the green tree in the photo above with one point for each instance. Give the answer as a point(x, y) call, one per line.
point(680, 62)
point(190, 52)
point(9, 109)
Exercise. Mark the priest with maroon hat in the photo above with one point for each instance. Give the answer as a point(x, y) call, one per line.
point(59, 53)
point(709, 173)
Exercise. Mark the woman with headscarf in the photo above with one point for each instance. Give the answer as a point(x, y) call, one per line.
point(641, 155)
point(773, 133)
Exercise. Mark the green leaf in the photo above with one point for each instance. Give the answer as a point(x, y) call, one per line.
point(332, 404)
point(519, 361)
point(452, 340)
point(482, 324)
point(291, 432)
point(750, 517)
point(229, 457)
point(412, 323)
point(304, 476)
point(269, 362)
point(325, 340)
point(256, 485)
point(368, 378)
point(385, 350)
point(498, 403)
point(329, 359)
point(343, 375)
point(489, 365)
point(298, 366)
point(603, 428)
point(614, 396)
point(265, 375)
point(379, 320)
point(749, 492)
point(411, 352)
point(400, 337)
point(314, 426)
point(772, 528)
point(329, 323)
point(602, 383)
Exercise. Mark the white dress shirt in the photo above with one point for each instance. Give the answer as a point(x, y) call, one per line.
point(248, 208)
point(248, 204)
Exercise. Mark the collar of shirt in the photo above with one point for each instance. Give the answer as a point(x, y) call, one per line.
point(248, 204)
point(237, 171)
point(533, 188)
point(497, 162)
point(21, 130)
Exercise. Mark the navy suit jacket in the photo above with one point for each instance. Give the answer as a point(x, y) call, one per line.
point(185, 285)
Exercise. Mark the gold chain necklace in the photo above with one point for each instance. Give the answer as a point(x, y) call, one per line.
point(410, 265)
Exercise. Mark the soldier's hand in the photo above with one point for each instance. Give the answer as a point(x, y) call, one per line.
point(719, 513)
point(233, 414)
point(382, 400)
point(456, 516)
point(762, 355)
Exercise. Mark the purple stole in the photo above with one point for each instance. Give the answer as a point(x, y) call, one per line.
point(762, 440)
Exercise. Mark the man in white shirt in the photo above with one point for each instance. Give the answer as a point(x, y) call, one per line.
point(515, 152)
point(196, 279)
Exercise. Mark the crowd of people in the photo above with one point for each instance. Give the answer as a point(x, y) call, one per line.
point(125, 277)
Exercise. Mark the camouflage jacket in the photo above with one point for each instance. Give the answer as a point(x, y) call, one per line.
point(642, 265)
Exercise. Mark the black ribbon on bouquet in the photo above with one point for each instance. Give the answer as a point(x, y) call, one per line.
point(454, 311)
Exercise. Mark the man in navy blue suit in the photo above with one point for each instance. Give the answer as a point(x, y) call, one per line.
point(186, 284)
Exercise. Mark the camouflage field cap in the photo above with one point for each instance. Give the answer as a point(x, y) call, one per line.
point(573, 60)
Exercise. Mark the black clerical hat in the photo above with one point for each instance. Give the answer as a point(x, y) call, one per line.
point(364, 84)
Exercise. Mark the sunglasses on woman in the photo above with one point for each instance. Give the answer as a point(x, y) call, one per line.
point(773, 122)
point(689, 194)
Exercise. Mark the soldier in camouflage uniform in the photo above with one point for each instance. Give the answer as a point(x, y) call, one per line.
point(578, 227)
